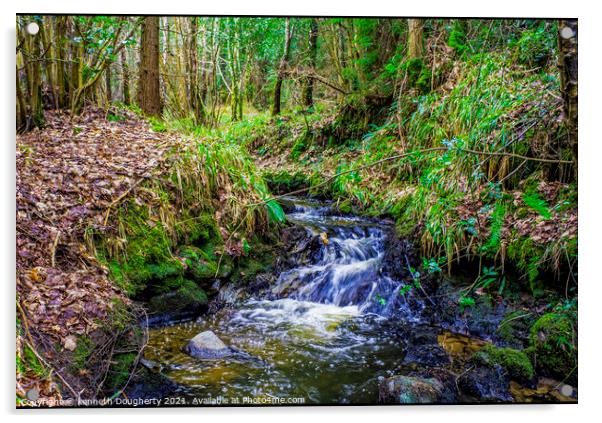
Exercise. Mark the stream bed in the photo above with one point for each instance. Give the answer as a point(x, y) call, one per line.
point(331, 330)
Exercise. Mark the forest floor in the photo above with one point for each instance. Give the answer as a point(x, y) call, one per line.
point(69, 177)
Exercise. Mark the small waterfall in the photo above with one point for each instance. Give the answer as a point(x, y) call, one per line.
point(321, 332)
point(347, 271)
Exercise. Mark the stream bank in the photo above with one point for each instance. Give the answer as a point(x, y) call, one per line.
point(341, 316)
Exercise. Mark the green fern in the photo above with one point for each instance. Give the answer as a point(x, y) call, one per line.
point(535, 202)
point(497, 223)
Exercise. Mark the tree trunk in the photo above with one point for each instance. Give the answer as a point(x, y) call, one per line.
point(21, 110)
point(34, 77)
point(567, 64)
point(125, 79)
point(415, 47)
point(149, 90)
point(196, 103)
point(108, 84)
point(308, 88)
point(282, 67)
point(61, 36)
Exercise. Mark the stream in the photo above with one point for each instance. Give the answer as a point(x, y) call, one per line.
point(327, 332)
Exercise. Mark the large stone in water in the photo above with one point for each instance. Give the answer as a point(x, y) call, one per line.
point(410, 390)
point(206, 345)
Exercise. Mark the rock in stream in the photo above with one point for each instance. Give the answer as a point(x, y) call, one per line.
point(206, 345)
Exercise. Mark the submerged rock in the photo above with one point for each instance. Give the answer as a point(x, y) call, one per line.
point(410, 390)
point(427, 355)
point(148, 384)
point(207, 345)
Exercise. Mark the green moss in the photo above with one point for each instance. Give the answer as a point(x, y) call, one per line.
point(260, 260)
point(199, 230)
point(148, 258)
point(119, 372)
point(515, 362)
point(552, 344)
point(345, 206)
point(182, 294)
point(514, 328)
point(283, 182)
point(119, 318)
point(83, 349)
point(30, 362)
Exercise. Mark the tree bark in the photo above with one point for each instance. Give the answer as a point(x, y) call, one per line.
point(415, 46)
point(21, 110)
point(108, 84)
point(61, 36)
point(125, 79)
point(149, 90)
point(36, 111)
point(308, 88)
point(567, 64)
point(282, 68)
point(196, 103)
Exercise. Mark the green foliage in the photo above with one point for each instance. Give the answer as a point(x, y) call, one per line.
point(457, 37)
point(497, 223)
point(538, 204)
point(433, 265)
point(157, 125)
point(419, 75)
point(466, 302)
point(487, 277)
point(30, 362)
point(536, 46)
point(300, 146)
point(275, 212)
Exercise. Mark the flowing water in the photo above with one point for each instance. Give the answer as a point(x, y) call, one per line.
point(325, 332)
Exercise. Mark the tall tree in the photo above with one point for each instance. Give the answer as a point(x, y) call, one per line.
point(35, 112)
point(108, 77)
point(282, 67)
point(196, 102)
point(567, 63)
point(149, 89)
point(415, 46)
point(308, 87)
point(125, 78)
point(61, 75)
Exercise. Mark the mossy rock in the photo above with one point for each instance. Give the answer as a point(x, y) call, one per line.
point(513, 330)
point(200, 230)
point(283, 182)
point(551, 345)
point(201, 264)
point(187, 299)
point(345, 206)
point(515, 362)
